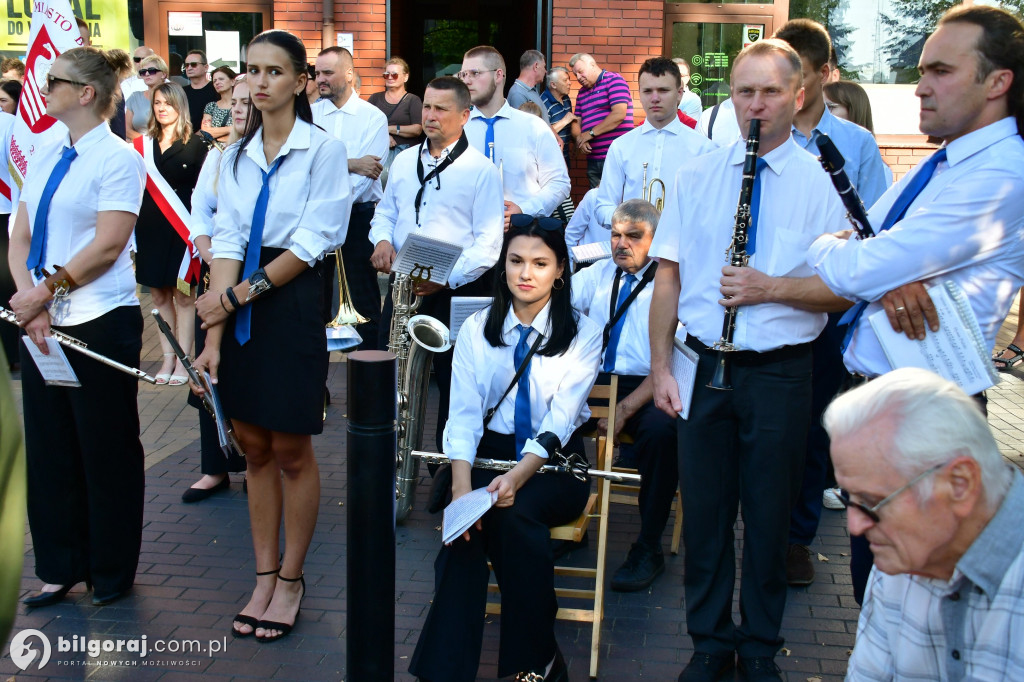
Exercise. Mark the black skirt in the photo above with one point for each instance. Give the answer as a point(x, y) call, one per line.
point(276, 380)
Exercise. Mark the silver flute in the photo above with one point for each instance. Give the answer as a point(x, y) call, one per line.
point(559, 464)
point(80, 346)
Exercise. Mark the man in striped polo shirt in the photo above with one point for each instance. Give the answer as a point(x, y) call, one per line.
point(604, 110)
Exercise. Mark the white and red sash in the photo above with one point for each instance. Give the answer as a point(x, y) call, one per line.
point(172, 209)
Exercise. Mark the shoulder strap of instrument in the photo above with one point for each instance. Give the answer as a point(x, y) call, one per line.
point(515, 380)
point(460, 147)
point(613, 314)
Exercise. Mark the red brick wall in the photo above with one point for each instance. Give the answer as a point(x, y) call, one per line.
point(903, 152)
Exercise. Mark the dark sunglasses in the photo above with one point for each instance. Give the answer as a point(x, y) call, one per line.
point(872, 512)
point(193, 64)
point(525, 220)
point(389, 75)
point(148, 71)
point(50, 80)
point(137, 59)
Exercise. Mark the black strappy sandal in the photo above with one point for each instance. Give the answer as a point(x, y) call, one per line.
point(250, 620)
point(282, 628)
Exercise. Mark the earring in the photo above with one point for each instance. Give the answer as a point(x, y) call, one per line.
point(556, 282)
point(502, 275)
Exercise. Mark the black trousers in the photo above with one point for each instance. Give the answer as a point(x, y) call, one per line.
point(516, 540)
point(594, 170)
point(86, 478)
point(745, 448)
point(360, 275)
point(439, 306)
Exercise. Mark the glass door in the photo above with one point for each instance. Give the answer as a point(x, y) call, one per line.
point(222, 35)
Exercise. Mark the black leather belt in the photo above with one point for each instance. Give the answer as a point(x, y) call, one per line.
point(752, 358)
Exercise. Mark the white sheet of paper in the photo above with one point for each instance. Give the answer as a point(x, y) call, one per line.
point(464, 512)
point(956, 352)
point(54, 368)
point(422, 255)
point(591, 253)
point(684, 369)
point(462, 308)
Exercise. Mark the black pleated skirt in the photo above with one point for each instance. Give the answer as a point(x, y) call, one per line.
point(276, 380)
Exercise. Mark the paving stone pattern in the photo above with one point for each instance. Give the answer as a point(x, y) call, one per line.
point(197, 568)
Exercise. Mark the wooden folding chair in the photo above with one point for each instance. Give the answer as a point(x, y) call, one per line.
point(629, 493)
point(595, 509)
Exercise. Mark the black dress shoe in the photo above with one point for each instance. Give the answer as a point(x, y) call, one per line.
point(103, 600)
point(47, 598)
point(200, 494)
point(641, 567)
point(759, 669)
point(559, 672)
point(707, 667)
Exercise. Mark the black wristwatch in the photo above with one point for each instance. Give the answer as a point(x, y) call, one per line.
point(258, 285)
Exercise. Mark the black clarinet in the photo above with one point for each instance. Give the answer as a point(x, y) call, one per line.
point(737, 253)
point(833, 162)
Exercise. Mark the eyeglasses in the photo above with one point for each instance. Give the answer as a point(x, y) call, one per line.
point(472, 73)
point(148, 71)
point(193, 64)
point(389, 75)
point(872, 512)
point(50, 80)
point(525, 220)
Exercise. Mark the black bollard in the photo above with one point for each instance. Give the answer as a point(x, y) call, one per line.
point(372, 446)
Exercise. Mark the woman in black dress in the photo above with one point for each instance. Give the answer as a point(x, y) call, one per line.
point(178, 155)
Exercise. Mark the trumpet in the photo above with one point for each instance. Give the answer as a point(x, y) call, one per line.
point(340, 332)
point(648, 190)
point(80, 346)
point(559, 463)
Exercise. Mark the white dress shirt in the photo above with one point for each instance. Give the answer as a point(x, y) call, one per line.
point(584, 227)
point(798, 203)
point(6, 129)
point(726, 129)
point(664, 151)
point(592, 294)
point(559, 385)
point(107, 175)
point(204, 196)
point(309, 202)
point(864, 166)
point(967, 225)
point(466, 210)
point(364, 130)
point(533, 172)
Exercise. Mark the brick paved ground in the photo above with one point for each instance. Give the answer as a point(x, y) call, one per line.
point(196, 573)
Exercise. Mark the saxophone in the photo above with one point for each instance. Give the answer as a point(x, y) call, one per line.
point(413, 339)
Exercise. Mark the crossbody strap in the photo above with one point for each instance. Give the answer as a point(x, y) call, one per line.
point(515, 380)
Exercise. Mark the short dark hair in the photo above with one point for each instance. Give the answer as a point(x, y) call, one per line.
point(454, 86)
point(227, 71)
point(202, 55)
point(659, 66)
point(491, 56)
point(12, 64)
point(564, 319)
point(809, 39)
point(1001, 46)
point(529, 58)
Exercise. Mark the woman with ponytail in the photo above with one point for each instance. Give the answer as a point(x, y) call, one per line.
point(282, 205)
point(70, 261)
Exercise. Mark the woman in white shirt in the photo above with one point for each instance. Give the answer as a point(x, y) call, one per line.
point(538, 415)
point(70, 261)
point(282, 204)
point(213, 464)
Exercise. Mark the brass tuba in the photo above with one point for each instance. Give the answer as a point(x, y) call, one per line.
point(648, 191)
point(414, 339)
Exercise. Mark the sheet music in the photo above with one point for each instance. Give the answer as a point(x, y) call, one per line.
point(462, 308)
point(684, 369)
point(54, 368)
point(591, 253)
point(464, 512)
point(956, 352)
point(422, 255)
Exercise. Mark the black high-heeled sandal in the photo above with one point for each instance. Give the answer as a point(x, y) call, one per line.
point(251, 621)
point(283, 628)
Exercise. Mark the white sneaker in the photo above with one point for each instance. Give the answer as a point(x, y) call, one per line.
point(830, 499)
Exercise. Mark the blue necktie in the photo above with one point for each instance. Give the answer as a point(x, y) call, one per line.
point(613, 338)
point(243, 319)
point(755, 207)
point(37, 249)
point(489, 137)
point(524, 426)
point(895, 214)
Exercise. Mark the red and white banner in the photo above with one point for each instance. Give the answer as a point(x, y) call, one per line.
point(172, 209)
point(53, 31)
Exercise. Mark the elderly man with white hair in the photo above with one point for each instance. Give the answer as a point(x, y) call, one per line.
point(924, 482)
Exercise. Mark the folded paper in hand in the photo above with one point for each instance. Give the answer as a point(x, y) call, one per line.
point(464, 512)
